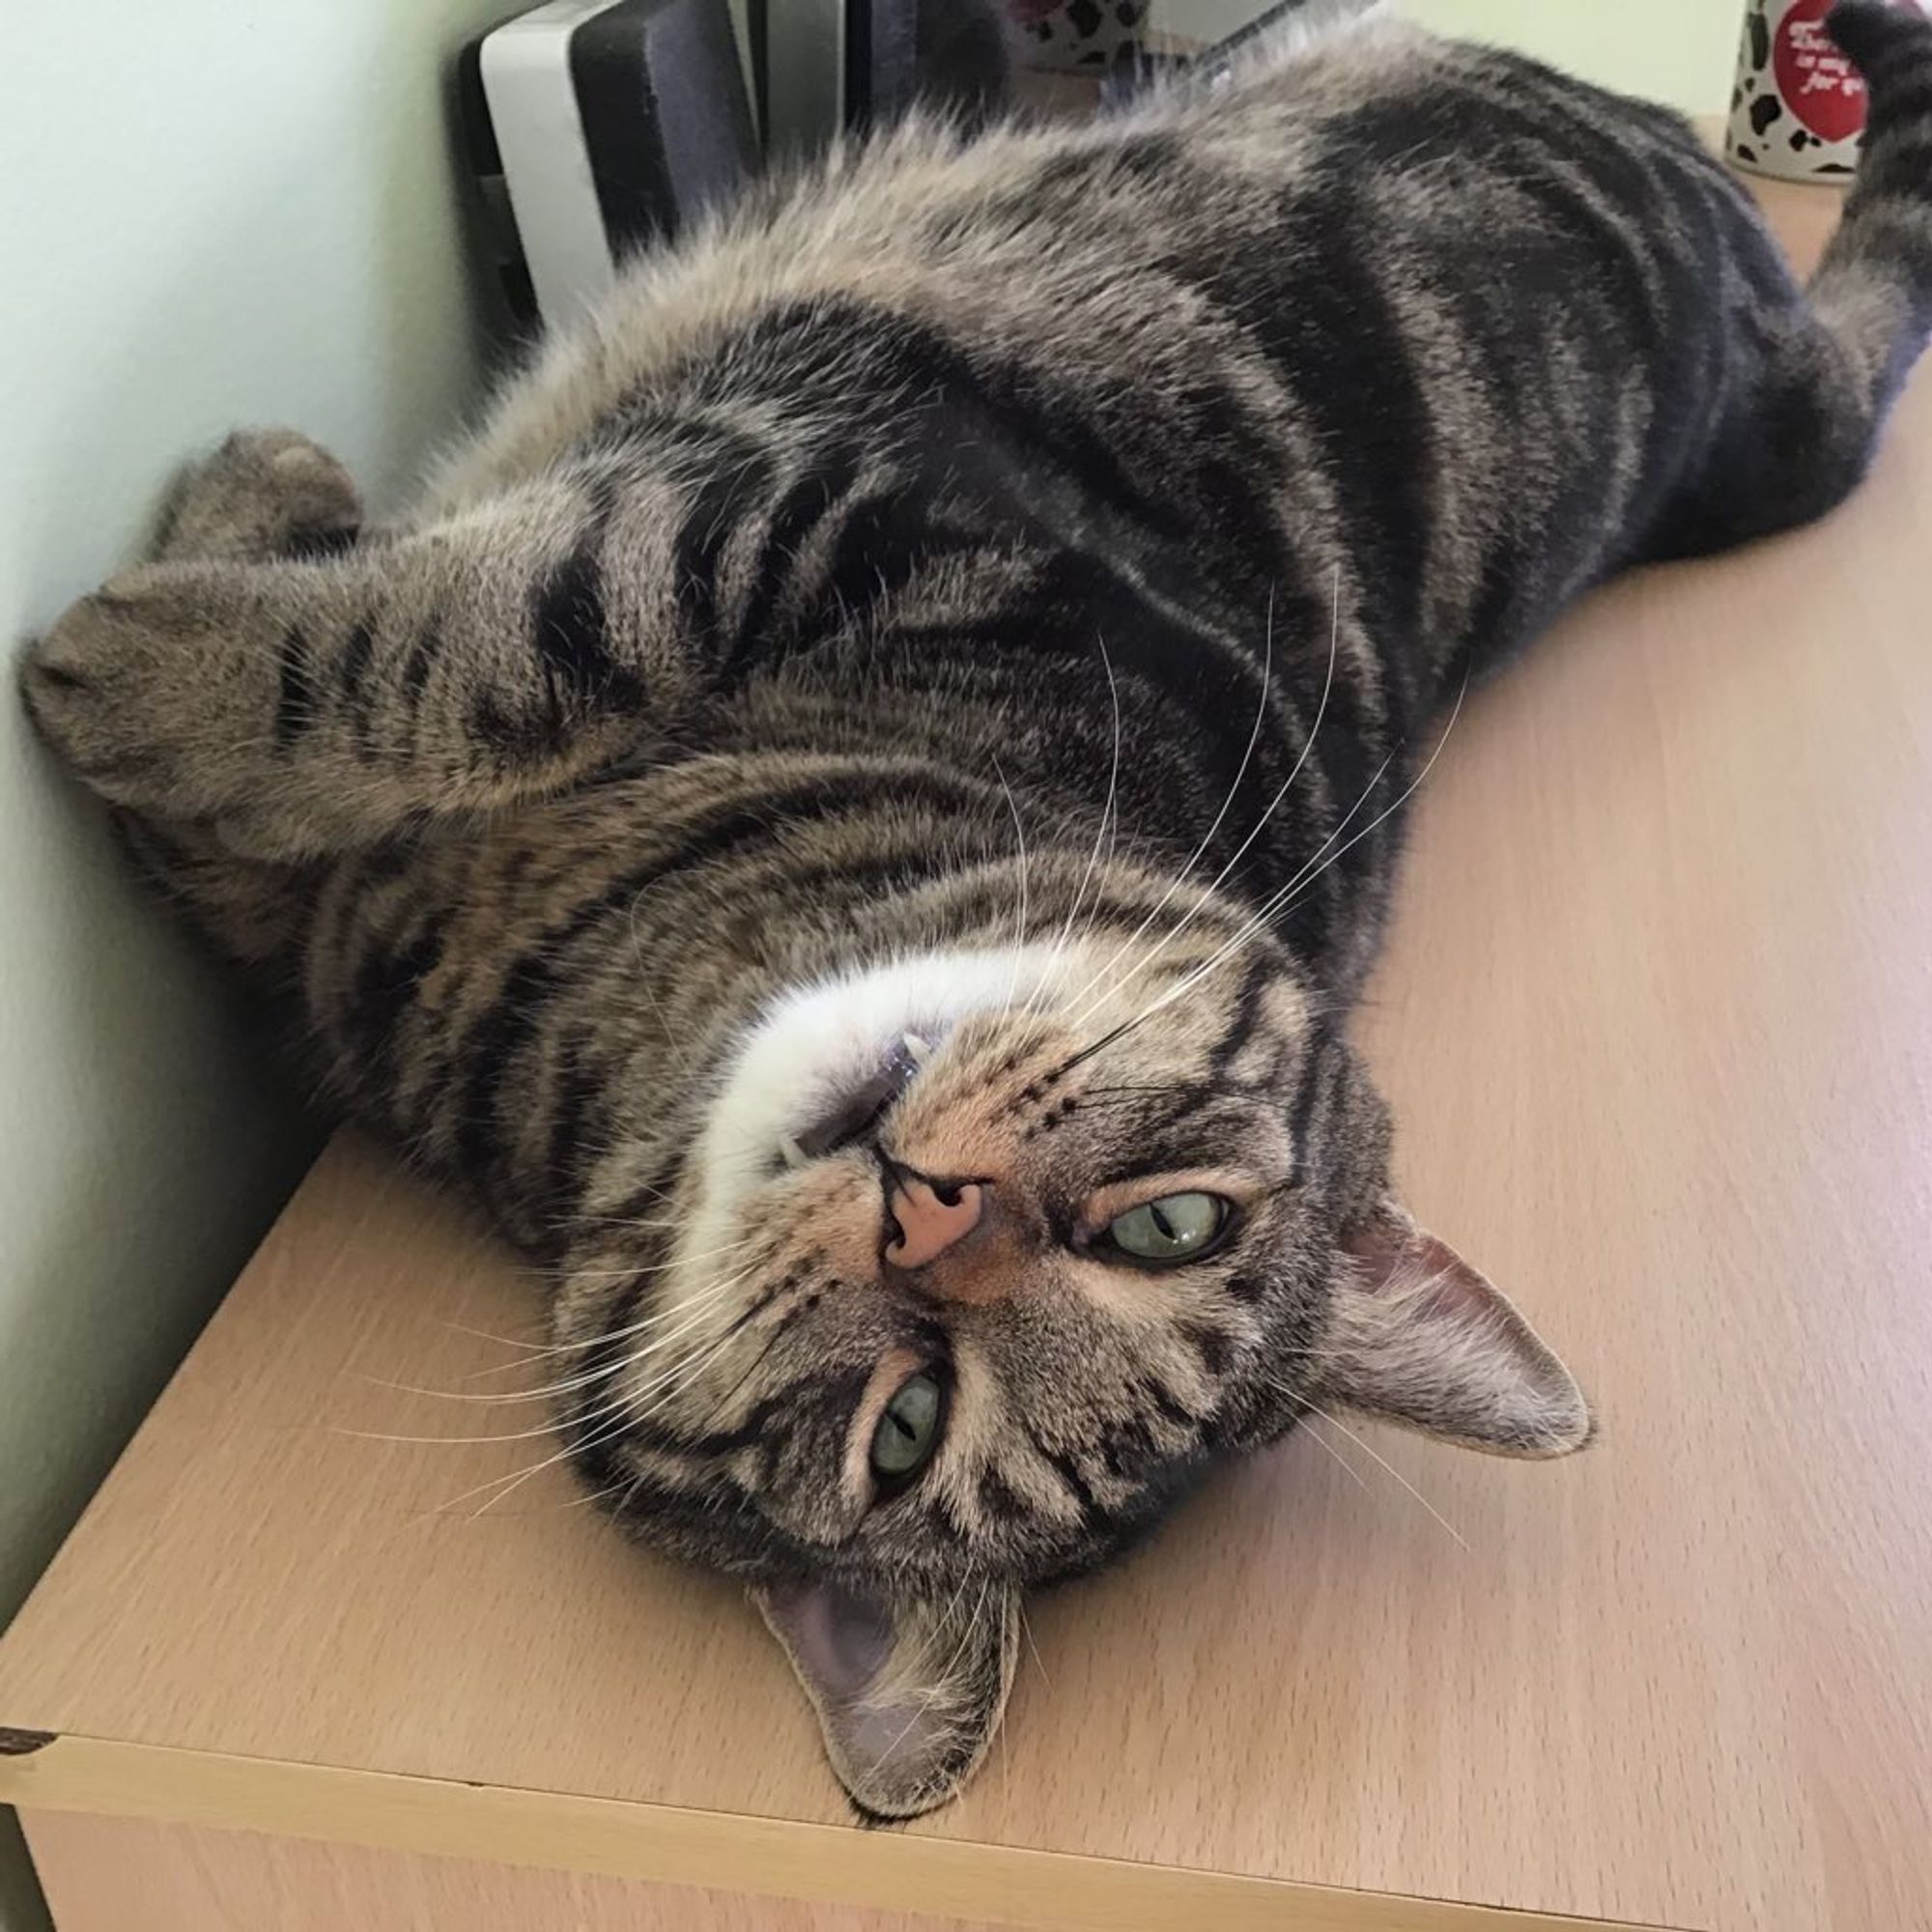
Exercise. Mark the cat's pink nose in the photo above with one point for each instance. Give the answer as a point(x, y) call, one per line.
point(931, 1219)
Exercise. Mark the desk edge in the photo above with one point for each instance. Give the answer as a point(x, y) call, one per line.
point(885, 1870)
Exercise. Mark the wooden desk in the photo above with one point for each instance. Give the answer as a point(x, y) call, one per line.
point(1658, 1021)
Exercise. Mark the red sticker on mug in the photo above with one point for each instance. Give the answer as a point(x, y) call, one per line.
point(1818, 83)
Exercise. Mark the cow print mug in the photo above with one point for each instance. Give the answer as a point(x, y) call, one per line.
point(1799, 109)
point(1080, 35)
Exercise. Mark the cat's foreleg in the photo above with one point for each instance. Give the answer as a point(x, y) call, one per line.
point(304, 695)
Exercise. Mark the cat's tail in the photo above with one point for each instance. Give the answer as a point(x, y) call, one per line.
point(1873, 289)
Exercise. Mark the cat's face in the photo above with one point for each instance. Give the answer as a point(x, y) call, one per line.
point(983, 1260)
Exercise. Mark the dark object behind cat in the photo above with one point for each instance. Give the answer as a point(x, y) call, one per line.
point(853, 815)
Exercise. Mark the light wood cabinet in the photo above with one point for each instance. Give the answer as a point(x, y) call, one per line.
point(1657, 1019)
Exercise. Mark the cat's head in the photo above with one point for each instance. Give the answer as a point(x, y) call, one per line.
point(985, 1257)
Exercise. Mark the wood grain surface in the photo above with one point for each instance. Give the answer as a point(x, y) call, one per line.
point(128, 1875)
point(1657, 1019)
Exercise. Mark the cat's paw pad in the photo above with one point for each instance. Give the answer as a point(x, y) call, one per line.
point(266, 493)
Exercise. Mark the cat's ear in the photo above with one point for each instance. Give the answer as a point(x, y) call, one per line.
point(908, 1694)
point(1420, 1336)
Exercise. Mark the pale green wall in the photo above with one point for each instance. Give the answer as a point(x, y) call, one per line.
point(1676, 51)
point(211, 212)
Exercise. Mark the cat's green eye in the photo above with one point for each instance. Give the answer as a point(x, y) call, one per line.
point(909, 1431)
point(1176, 1227)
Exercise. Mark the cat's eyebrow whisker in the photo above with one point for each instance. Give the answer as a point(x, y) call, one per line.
point(631, 1486)
point(752, 1368)
point(679, 1371)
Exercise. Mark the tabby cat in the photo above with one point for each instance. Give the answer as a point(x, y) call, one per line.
point(852, 816)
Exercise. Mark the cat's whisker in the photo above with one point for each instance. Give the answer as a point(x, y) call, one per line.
point(630, 1222)
point(660, 1267)
point(628, 1410)
point(1148, 959)
point(1151, 953)
point(705, 1297)
point(1020, 927)
point(530, 1357)
point(1369, 1449)
point(1026, 1631)
point(696, 1310)
point(500, 1340)
point(1348, 1468)
point(1106, 816)
point(1333, 857)
point(439, 1441)
point(1277, 901)
point(1113, 830)
point(680, 1372)
point(680, 1049)
point(1246, 931)
point(1207, 836)
point(609, 1419)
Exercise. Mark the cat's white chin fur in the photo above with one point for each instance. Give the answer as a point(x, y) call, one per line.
point(815, 1044)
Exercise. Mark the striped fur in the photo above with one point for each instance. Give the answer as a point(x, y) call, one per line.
point(1000, 591)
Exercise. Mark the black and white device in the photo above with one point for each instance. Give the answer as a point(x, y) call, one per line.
point(600, 127)
point(597, 127)
point(833, 63)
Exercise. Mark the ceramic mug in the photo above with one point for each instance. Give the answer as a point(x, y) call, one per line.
point(1077, 36)
point(1799, 109)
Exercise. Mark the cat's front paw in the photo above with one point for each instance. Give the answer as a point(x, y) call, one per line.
point(145, 690)
point(266, 493)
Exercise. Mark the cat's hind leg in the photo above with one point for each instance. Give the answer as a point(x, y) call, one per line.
point(1829, 367)
point(1873, 290)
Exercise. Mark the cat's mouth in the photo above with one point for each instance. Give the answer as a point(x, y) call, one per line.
point(858, 1110)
